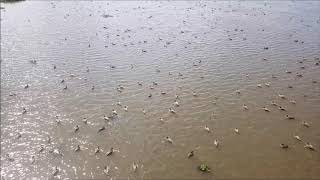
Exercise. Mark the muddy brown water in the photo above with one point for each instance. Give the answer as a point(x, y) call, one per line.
point(218, 47)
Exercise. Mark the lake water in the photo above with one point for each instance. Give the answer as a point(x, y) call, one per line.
point(222, 51)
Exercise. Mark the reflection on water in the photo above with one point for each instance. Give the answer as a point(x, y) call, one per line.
point(65, 66)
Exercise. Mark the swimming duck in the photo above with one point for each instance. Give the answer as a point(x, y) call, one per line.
point(267, 84)
point(76, 128)
point(119, 103)
point(140, 83)
point(87, 69)
point(65, 88)
point(238, 91)
point(125, 108)
point(259, 85)
point(109, 153)
point(288, 72)
point(216, 143)
point(77, 148)
point(134, 166)
point(194, 93)
point(293, 102)
point(282, 96)
point(177, 96)
point(27, 86)
point(154, 83)
point(297, 138)
point(309, 146)
point(151, 87)
point(114, 112)
point(150, 95)
point(236, 130)
point(161, 119)
point(106, 170)
point(207, 128)
point(62, 81)
point(305, 124)
point(245, 107)
point(284, 146)
point(273, 103)
point(266, 109)
point(176, 103)
point(282, 108)
point(163, 93)
point(169, 140)
point(55, 171)
point(172, 110)
point(190, 154)
point(101, 129)
point(92, 88)
point(290, 117)
point(97, 150)
point(290, 87)
point(106, 118)
point(144, 111)
point(54, 67)
point(24, 111)
point(85, 121)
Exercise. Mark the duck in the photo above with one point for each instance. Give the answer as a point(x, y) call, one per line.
point(273, 103)
point(18, 135)
point(106, 118)
point(54, 67)
point(92, 88)
point(140, 83)
point(176, 103)
point(194, 93)
point(109, 153)
point(106, 170)
point(65, 88)
point(77, 148)
point(282, 108)
point(282, 96)
point(97, 150)
point(150, 95)
point(293, 102)
point(305, 124)
point(177, 96)
point(114, 112)
point(125, 108)
point(259, 85)
point(266, 109)
point(290, 87)
point(144, 111)
point(245, 107)
point(288, 72)
point(119, 103)
point(290, 117)
point(238, 91)
point(297, 138)
point(24, 111)
point(236, 130)
point(101, 129)
point(309, 146)
point(134, 166)
point(284, 146)
point(151, 87)
point(62, 81)
point(154, 83)
point(172, 110)
point(56, 171)
point(216, 143)
point(76, 128)
point(207, 128)
point(26, 86)
point(169, 140)
point(267, 84)
point(190, 154)
point(85, 121)
point(161, 120)
point(163, 93)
